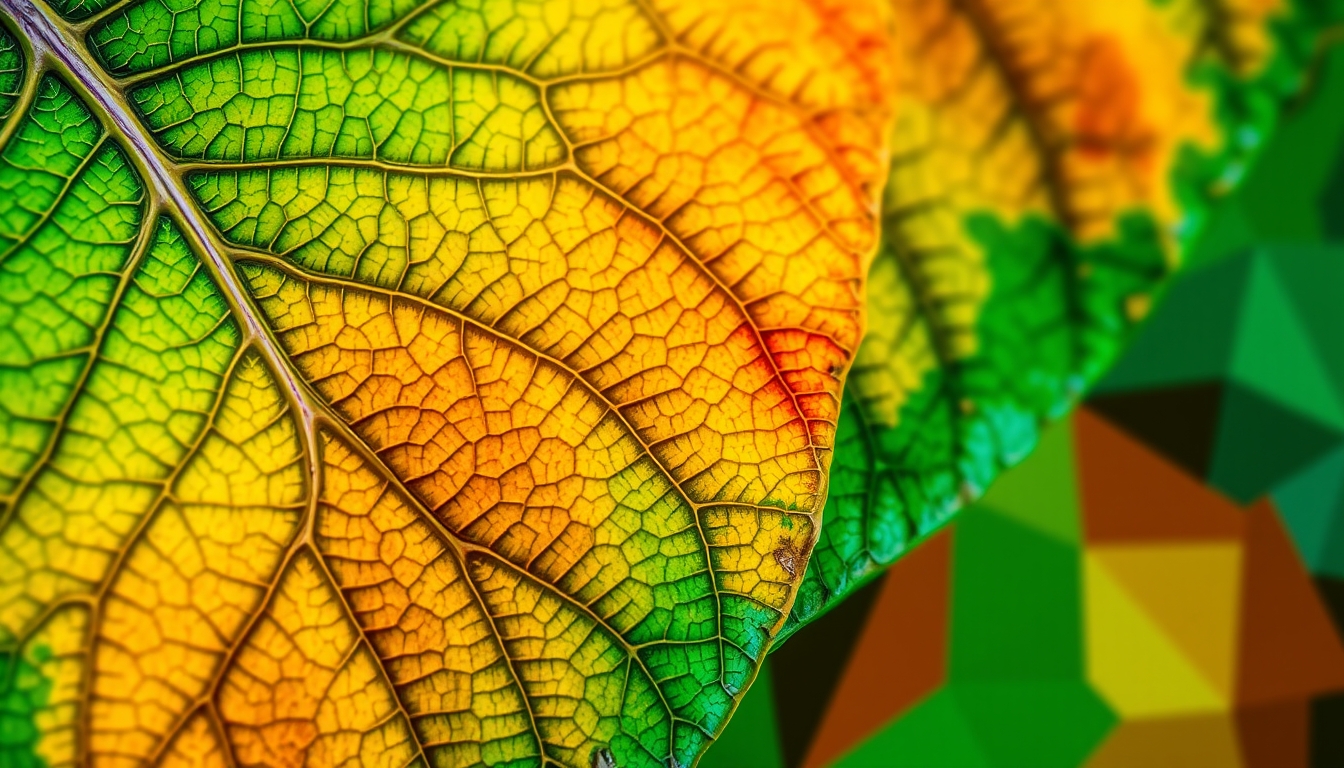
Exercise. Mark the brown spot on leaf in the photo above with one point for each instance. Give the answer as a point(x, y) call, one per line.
point(787, 555)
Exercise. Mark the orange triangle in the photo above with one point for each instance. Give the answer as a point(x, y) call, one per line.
point(1131, 660)
point(1207, 741)
point(1130, 493)
point(900, 657)
point(1289, 646)
point(1190, 591)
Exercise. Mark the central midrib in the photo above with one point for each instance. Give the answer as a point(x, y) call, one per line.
point(46, 38)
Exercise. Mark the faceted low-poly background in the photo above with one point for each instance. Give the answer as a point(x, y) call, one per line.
point(1162, 582)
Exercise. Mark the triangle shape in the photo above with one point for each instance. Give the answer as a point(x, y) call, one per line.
point(935, 733)
point(1273, 353)
point(1312, 275)
point(1034, 722)
point(1041, 492)
point(1327, 731)
point(901, 656)
point(1289, 646)
point(1189, 338)
point(1206, 741)
point(1016, 604)
point(1191, 592)
point(1260, 443)
point(1312, 507)
point(1275, 735)
point(1226, 231)
point(1130, 493)
point(811, 664)
point(1180, 422)
point(1131, 662)
point(1331, 592)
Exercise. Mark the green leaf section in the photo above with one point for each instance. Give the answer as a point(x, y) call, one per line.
point(12, 68)
point(114, 346)
point(366, 104)
point(154, 33)
point(23, 695)
point(1045, 334)
point(1057, 315)
point(70, 212)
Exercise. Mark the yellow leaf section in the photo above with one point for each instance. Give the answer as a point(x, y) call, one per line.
point(1076, 112)
point(831, 58)
point(514, 454)
point(558, 651)
point(304, 688)
point(571, 275)
point(388, 106)
point(196, 745)
point(757, 553)
point(404, 583)
point(899, 351)
point(758, 162)
point(143, 410)
point(191, 582)
point(736, 181)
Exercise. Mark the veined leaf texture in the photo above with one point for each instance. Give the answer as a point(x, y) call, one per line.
point(456, 382)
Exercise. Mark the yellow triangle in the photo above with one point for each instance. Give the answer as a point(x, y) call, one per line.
point(1131, 662)
point(1193, 593)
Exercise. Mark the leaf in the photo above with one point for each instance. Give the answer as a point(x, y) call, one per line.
point(415, 381)
point(1049, 160)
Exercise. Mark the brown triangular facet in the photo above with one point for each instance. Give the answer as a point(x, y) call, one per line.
point(1275, 735)
point(1178, 742)
point(811, 664)
point(900, 658)
point(1289, 647)
point(1130, 493)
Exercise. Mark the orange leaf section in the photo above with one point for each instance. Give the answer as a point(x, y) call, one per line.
point(1073, 110)
point(573, 422)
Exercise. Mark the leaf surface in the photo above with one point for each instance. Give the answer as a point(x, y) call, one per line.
point(1048, 162)
point(403, 382)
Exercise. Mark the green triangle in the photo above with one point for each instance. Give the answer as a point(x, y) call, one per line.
point(1015, 602)
point(1041, 492)
point(934, 733)
point(1038, 723)
point(1274, 355)
point(1312, 275)
point(1189, 337)
point(1260, 443)
point(752, 735)
point(1312, 506)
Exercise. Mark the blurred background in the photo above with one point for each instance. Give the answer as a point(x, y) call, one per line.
point(1162, 582)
